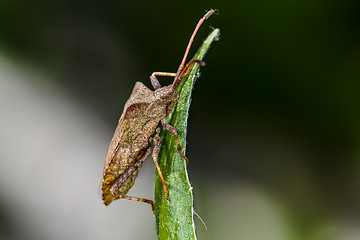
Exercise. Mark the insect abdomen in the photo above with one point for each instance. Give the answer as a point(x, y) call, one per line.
point(121, 163)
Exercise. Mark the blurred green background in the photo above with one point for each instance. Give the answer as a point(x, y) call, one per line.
point(274, 127)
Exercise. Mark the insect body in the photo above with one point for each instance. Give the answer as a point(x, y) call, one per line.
point(138, 127)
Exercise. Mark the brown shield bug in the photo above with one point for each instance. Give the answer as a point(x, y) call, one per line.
point(138, 127)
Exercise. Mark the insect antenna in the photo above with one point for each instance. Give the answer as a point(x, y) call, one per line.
point(180, 72)
point(186, 70)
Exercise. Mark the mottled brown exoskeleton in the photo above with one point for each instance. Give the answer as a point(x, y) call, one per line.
point(138, 127)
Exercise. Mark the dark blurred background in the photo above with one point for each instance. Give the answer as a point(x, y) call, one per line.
point(274, 127)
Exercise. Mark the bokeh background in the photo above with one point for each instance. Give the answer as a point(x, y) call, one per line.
point(274, 127)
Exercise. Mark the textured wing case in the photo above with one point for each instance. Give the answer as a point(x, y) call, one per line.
point(124, 149)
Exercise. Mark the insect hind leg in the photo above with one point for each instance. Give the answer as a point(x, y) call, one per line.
point(122, 180)
point(136, 199)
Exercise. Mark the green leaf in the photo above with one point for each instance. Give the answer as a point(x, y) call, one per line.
point(174, 217)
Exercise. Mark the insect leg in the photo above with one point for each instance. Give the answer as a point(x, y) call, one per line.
point(155, 154)
point(128, 173)
point(155, 82)
point(139, 200)
point(126, 176)
point(170, 107)
point(174, 132)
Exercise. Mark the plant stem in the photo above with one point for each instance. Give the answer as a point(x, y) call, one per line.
point(174, 217)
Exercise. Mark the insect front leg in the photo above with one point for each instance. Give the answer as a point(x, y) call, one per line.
point(174, 132)
point(120, 182)
point(155, 154)
point(170, 107)
point(155, 82)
